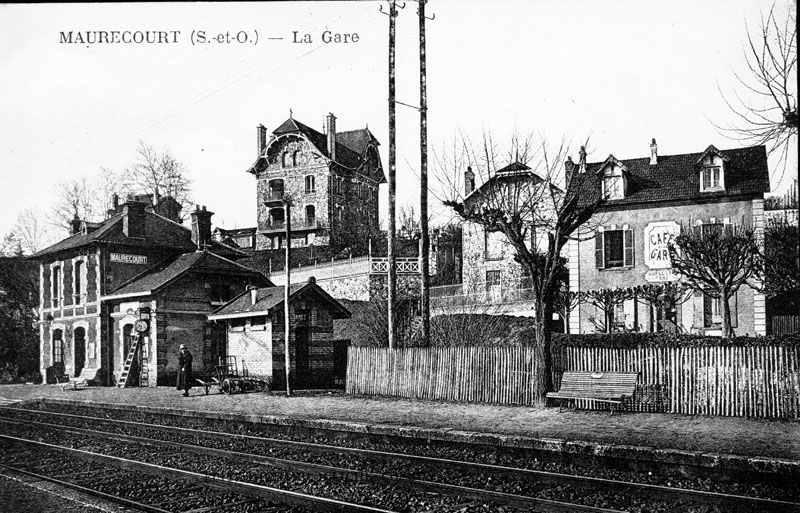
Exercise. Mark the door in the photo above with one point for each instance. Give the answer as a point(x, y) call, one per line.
point(79, 350)
point(494, 292)
point(302, 336)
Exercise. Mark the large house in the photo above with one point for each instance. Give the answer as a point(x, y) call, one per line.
point(139, 264)
point(332, 180)
point(646, 201)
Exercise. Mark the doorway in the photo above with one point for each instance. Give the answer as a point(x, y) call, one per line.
point(302, 336)
point(79, 350)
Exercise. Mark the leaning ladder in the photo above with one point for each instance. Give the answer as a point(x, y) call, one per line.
point(123, 378)
point(144, 374)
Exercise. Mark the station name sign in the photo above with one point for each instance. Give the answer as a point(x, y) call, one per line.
point(124, 258)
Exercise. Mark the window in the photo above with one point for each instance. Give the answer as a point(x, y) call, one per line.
point(493, 245)
point(310, 184)
point(614, 249)
point(613, 183)
point(219, 292)
point(244, 241)
point(493, 278)
point(712, 175)
point(712, 310)
point(78, 281)
point(58, 346)
point(258, 323)
point(295, 157)
point(284, 159)
point(276, 218)
point(275, 190)
point(311, 217)
point(56, 285)
point(711, 228)
point(237, 324)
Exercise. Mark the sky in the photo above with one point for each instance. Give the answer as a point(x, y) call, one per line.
point(616, 72)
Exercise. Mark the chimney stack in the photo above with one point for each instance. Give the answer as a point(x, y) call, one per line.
point(133, 220)
point(75, 224)
point(653, 153)
point(253, 295)
point(331, 130)
point(261, 131)
point(582, 160)
point(469, 181)
point(168, 207)
point(201, 226)
point(569, 169)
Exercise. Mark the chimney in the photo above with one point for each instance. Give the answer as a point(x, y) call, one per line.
point(133, 220)
point(569, 169)
point(469, 181)
point(653, 153)
point(312, 280)
point(114, 206)
point(261, 131)
point(168, 207)
point(201, 226)
point(75, 224)
point(331, 130)
point(582, 160)
point(253, 296)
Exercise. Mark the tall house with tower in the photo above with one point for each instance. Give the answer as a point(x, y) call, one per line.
point(331, 180)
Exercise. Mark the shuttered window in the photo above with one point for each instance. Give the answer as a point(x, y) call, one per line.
point(712, 310)
point(614, 248)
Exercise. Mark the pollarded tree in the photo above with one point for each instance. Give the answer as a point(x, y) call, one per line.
point(532, 204)
point(607, 301)
point(717, 260)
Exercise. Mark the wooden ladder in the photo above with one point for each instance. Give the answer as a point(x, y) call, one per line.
point(123, 378)
point(144, 375)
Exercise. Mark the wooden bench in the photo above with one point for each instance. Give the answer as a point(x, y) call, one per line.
point(605, 387)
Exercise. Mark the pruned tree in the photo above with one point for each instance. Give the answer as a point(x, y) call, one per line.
point(765, 104)
point(536, 208)
point(717, 260)
point(607, 300)
point(780, 257)
point(664, 298)
point(565, 302)
point(159, 173)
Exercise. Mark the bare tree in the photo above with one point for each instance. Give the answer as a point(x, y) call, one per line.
point(75, 197)
point(159, 173)
point(769, 116)
point(565, 302)
point(534, 206)
point(32, 231)
point(607, 300)
point(717, 260)
point(781, 270)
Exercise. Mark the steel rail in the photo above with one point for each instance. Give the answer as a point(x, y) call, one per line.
point(95, 493)
point(586, 482)
point(525, 501)
point(252, 489)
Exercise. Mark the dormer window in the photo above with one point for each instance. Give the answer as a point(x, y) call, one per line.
point(711, 174)
point(712, 170)
point(613, 183)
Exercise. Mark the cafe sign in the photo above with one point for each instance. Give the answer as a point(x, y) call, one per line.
point(657, 237)
point(124, 258)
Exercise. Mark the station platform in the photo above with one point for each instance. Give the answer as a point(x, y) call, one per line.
point(699, 440)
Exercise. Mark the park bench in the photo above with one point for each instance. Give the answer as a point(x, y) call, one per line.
point(605, 387)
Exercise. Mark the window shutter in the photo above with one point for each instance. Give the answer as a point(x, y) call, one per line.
point(707, 306)
point(599, 253)
point(628, 247)
point(733, 302)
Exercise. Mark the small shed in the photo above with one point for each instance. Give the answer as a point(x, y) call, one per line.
point(254, 322)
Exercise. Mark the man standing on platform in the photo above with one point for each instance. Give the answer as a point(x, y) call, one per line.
point(185, 370)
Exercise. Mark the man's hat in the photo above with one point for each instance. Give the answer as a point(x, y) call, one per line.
point(183, 346)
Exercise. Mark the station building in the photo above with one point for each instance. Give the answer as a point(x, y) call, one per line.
point(255, 334)
point(647, 201)
point(140, 264)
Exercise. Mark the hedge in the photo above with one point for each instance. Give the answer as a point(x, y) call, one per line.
point(632, 340)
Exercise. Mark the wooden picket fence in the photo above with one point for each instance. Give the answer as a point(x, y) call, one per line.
point(746, 381)
point(478, 374)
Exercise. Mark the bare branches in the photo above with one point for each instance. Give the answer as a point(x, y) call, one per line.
point(160, 174)
point(770, 116)
point(717, 259)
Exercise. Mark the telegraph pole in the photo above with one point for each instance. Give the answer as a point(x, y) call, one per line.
point(423, 174)
point(390, 253)
point(286, 332)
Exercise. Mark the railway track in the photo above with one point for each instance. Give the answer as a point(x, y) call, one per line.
point(493, 484)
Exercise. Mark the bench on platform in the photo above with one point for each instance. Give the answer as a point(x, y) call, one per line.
point(606, 387)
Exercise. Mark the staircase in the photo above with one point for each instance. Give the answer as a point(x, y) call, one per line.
point(123, 378)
